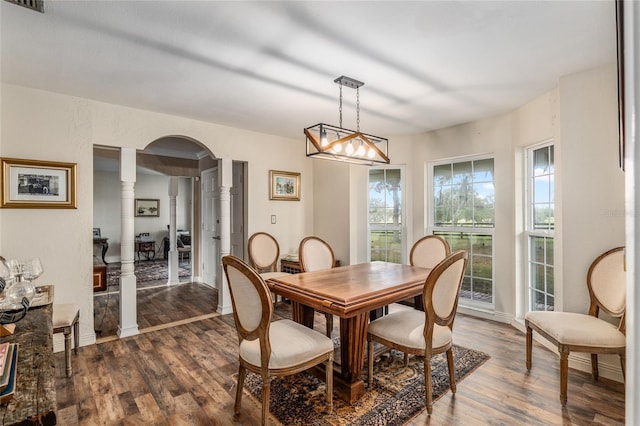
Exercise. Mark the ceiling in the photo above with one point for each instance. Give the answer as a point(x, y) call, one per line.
point(269, 66)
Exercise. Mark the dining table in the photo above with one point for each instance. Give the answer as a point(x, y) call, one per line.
point(351, 293)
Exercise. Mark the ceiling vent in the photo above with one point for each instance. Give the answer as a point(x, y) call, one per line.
point(37, 5)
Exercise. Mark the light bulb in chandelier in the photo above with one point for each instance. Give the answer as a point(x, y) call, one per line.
point(349, 150)
point(361, 150)
point(371, 154)
point(323, 138)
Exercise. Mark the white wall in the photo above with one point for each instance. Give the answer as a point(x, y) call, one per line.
point(46, 126)
point(592, 183)
point(106, 215)
point(331, 219)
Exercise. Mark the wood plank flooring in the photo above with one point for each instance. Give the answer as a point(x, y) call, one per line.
point(183, 375)
point(157, 305)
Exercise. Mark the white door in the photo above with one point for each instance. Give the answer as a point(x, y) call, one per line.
point(210, 226)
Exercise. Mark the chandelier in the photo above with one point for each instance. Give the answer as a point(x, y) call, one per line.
point(340, 144)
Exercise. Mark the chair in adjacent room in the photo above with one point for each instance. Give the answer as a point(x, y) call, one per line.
point(183, 250)
point(577, 332)
point(66, 320)
point(278, 348)
point(427, 252)
point(315, 254)
point(264, 252)
point(425, 333)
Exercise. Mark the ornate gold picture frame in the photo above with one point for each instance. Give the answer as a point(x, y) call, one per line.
point(284, 185)
point(35, 184)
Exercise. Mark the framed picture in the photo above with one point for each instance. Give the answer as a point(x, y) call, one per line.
point(34, 184)
point(147, 207)
point(284, 185)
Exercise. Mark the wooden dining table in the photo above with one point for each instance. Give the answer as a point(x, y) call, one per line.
point(350, 292)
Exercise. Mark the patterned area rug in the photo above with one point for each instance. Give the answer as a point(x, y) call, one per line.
point(397, 395)
point(146, 272)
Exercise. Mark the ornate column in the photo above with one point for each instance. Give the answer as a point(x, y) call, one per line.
point(225, 177)
point(128, 315)
point(173, 252)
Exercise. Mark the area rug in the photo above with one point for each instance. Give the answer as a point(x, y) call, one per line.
point(396, 397)
point(146, 272)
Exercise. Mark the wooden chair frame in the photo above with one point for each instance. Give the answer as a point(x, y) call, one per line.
point(253, 259)
point(303, 268)
point(262, 333)
point(564, 349)
point(431, 318)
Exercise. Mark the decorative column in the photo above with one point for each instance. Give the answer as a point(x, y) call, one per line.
point(128, 315)
point(173, 252)
point(225, 177)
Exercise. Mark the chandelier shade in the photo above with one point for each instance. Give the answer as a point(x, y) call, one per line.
point(340, 144)
point(335, 143)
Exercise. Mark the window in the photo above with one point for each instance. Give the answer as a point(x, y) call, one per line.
point(540, 227)
point(463, 213)
point(386, 214)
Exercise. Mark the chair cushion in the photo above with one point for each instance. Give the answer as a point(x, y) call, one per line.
point(291, 344)
point(64, 314)
point(572, 328)
point(406, 328)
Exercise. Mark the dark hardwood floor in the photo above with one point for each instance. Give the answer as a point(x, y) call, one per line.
point(157, 305)
point(183, 375)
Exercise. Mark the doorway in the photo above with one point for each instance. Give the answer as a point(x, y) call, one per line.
point(166, 154)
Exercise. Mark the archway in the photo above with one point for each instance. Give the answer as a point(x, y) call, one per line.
point(169, 157)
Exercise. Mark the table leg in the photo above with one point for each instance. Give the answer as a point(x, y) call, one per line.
point(353, 341)
point(302, 314)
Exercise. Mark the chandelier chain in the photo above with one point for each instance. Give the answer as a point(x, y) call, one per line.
point(357, 109)
point(340, 104)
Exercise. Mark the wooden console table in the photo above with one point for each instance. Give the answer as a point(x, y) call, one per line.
point(146, 247)
point(34, 400)
point(99, 275)
point(293, 267)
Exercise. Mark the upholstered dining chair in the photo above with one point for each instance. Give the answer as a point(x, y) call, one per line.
point(577, 332)
point(270, 349)
point(427, 252)
point(264, 252)
point(425, 333)
point(315, 254)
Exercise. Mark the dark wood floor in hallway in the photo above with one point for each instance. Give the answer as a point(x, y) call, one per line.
point(183, 375)
point(157, 305)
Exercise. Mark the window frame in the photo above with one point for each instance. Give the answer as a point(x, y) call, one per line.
point(529, 225)
point(432, 229)
point(403, 204)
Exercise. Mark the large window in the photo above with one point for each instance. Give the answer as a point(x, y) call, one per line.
point(540, 227)
point(385, 214)
point(463, 213)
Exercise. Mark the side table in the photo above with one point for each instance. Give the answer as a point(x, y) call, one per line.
point(34, 400)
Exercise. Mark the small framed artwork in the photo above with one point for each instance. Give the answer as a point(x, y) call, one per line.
point(147, 207)
point(35, 184)
point(284, 185)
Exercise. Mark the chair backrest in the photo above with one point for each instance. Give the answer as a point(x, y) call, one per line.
point(315, 255)
point(607, 283)
point(264, 252)
point(251, 301)
point(428, 251)
point(441, 291)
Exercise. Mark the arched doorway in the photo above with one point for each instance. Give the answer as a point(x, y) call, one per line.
point(171, 157)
